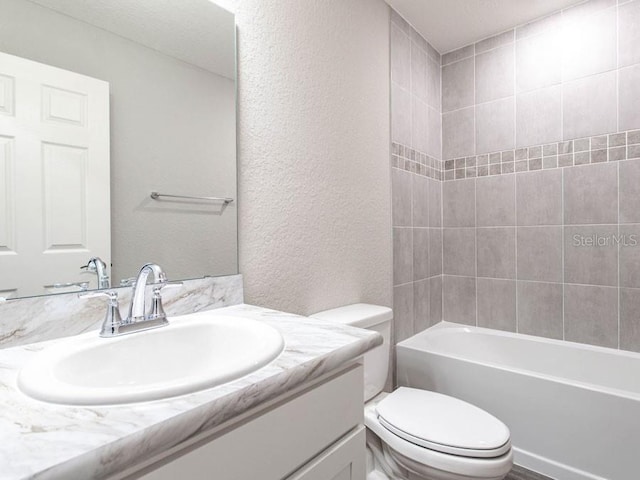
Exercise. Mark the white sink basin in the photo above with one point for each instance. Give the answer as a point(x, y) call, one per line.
point(192, 353)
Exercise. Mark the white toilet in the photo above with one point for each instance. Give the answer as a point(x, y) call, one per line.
point(416, 434)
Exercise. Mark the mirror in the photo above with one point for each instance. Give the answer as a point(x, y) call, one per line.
point(101, 104)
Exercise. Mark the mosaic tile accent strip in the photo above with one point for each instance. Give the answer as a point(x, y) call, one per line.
point(582, 151)
point(413, 161)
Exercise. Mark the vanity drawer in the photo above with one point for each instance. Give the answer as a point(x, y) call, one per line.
point(277, 441)
point(342, 461)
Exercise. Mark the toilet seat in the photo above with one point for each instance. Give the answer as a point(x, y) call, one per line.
point(443, 424)
point(430, 463)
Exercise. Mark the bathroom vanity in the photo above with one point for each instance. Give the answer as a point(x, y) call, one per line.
point(298, 417)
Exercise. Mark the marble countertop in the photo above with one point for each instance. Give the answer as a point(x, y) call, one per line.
point(47, 441)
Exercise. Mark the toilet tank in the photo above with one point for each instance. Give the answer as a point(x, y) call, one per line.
point(370, 317)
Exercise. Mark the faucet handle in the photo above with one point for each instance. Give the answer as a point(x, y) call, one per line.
point(99, 293)
point(167, 285)
point(112, 320)
point(157, 310)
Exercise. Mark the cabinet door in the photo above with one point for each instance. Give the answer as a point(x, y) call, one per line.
point(278, 441)
point(343, 461)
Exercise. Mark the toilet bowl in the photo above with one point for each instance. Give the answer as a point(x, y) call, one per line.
point(415, 434)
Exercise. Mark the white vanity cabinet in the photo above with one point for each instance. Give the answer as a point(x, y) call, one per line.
point(314, 432)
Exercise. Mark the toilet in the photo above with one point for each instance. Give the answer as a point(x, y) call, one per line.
point(416, 434)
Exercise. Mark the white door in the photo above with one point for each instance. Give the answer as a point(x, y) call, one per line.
point(54, 176)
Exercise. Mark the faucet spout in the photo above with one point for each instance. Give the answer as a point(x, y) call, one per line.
point(96, 265)
point(136, 309)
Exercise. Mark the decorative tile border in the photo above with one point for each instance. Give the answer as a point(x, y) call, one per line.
point(601, 148)
point(413, 161)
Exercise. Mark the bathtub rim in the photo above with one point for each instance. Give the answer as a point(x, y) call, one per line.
point(444, 327)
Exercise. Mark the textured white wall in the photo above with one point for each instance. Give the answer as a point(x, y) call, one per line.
point(314, 176)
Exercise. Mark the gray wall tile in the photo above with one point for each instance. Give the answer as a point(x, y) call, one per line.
point(496, 41)
point(629, 251)
point(400, 57)
point(497, 304)
point(400, 115)
point(459, 300)
point(397, 20)
point(629, 97)
point(541, 25)
point(495, 125)
point(421, 306)
point(420, 200)
point(418, 72)
point(434, 133)
point(591, 315)
point(495, 74)
point(591, 255)
point(591, 194)
point(458, 54)
point(496, 252)
point(540, 309)
point(630, 191)
point(402, 255)
point(420, 253)
point(539, 198)
point(496, 201)
point(435, 251)
point(628, 34)
point(402, 312)
point(584, 10)
point(459, 251)
point(589, 106)
point(401, 197)
point(538, 61)
point(458, 85)
point(630, 319)
point(589, 45)
point(458, 133)
point(419, 124)
point(435, 285)
point(434, 94)
point(540, 254)
point(459, 203)
point(539, 116)
point(435, 203)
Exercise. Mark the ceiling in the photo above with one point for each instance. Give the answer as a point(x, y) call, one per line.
point(451, 24)
point(190, 30)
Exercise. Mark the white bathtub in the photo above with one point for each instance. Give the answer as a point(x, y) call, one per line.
point(573, 409)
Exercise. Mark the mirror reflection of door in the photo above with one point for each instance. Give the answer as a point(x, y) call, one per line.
point(54, 177)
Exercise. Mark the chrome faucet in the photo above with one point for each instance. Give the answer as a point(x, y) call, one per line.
point(137, 319)
point(136, 309)
point(97, 266)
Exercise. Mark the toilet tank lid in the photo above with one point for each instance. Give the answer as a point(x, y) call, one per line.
point(360, 315)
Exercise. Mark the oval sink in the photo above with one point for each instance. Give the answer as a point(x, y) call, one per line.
point(192, 353)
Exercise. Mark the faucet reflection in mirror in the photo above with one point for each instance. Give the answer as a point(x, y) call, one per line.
point(137, 320)
point(96, 265)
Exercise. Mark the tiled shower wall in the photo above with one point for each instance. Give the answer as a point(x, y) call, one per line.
point(554, 253)
point(571, 75)
point(554, 248)
point(416, 171)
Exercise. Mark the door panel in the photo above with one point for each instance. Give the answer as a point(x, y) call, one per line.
point(54, 176)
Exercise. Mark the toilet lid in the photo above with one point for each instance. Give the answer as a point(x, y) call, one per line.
point(442, 423)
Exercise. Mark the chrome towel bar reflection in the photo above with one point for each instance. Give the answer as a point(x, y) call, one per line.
point(226, 200)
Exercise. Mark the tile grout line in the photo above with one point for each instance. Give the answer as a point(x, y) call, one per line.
point(563, 252)
point(475, 209)
point(618, 166)
point(515, 207)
